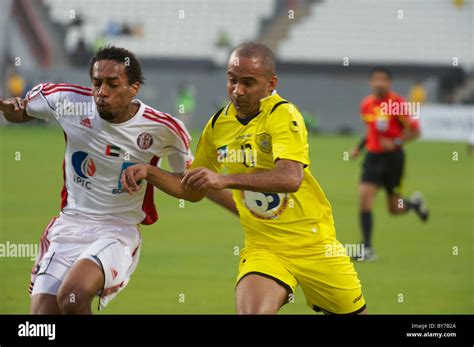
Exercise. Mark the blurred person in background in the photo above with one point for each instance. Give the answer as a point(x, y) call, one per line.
point(16, 85)
point(185, 103)
point(417, 93)
point(389, 127)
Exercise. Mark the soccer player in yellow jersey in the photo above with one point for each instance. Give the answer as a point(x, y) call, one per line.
point(260, 141)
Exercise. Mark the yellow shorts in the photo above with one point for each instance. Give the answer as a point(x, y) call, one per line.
point(330, 283)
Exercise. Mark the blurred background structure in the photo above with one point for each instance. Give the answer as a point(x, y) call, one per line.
point(324, 48)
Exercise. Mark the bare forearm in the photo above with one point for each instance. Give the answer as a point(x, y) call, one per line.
point(223, 198)
point(16, 118)
point(14, 110)
point(274, 181)
point(171, 184)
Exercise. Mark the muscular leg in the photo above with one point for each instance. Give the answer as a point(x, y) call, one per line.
point(367, 193)
point(256, 294)
point(82, 282)
point(44, 304)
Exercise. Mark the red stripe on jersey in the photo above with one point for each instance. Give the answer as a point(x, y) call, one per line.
point(169, 119)
point(64, 189)
point(148, 203)
point(168, 125)
point(50, 86)
point(166, 116)
point(175, 128)
point(67, 89)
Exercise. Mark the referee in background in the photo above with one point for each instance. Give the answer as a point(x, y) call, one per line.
point(389, 127)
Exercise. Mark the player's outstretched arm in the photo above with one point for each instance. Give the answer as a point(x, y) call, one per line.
point(223, 198)
point(165, 181)
point(286, 177)
point(14, 110)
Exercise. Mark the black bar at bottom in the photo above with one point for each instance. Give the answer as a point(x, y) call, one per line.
point(289, 330)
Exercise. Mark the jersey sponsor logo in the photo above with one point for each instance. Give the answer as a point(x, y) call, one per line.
point(222, 153)
point(84, 167)
point(112, 151)
point(264, 142)
point(144, 141)
point(265, 205)
point(119, 189)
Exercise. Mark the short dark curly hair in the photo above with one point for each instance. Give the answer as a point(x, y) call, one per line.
point(133, 68)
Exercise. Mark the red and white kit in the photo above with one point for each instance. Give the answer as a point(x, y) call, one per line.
point(98, 220)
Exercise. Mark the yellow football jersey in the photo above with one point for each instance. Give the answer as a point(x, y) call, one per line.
point(283, 222)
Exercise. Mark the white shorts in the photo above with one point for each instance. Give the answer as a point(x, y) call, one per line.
point(114, 247)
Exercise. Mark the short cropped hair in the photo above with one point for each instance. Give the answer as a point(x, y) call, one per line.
point(254, 49)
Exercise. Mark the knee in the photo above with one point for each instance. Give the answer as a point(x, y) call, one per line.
point(73, 300)
point(256, 308)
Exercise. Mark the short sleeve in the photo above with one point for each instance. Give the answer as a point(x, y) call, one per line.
point(206, 153)
point(289, 135)
point(177, 146)
point(39, 105)
point(365, 116)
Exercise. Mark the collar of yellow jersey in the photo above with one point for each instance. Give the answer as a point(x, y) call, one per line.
point(266, 103)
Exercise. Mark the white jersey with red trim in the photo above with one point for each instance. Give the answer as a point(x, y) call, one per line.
point(97, 152)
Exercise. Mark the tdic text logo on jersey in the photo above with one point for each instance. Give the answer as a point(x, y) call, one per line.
point(119, 189)
point(84, 167)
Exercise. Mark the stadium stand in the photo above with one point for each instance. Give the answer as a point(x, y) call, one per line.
point(194, 24)
point(399, 32)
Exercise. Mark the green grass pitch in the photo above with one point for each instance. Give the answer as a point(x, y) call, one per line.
point(190, 250)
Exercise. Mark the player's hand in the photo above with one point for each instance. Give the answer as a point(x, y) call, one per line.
point(354, 153)
point(132, 176)
point(14, 106)
point(203, 179)
point(387, 144)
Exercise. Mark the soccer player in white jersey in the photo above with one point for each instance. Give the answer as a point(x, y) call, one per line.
point(93, 247)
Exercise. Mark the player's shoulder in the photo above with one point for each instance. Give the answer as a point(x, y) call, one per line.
point(58, 90)
point(216, 115)
point(50, 88)
point(366, 101)
point(162, 120)
point(159, 118)
point(283, 110)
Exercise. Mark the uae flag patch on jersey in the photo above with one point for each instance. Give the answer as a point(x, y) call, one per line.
point(112, 151)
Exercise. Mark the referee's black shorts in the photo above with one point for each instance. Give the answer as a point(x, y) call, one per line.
point(385, 170)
